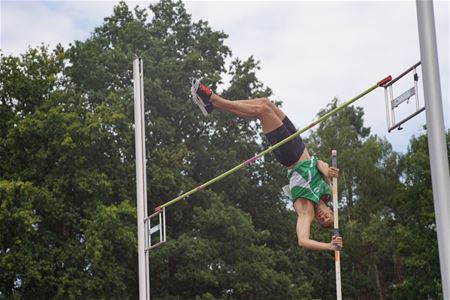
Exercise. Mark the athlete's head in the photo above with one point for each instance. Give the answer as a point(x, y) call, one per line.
point(324, 215)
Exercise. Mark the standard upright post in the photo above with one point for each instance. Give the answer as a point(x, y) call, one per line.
point(141, 178)
point(337, 258)
point(436, 136)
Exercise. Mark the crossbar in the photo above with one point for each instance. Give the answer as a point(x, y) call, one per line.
point(273, 147)
point(391, 82)
point(406, 120)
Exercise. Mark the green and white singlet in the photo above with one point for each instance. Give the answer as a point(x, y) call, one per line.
point(305, 181)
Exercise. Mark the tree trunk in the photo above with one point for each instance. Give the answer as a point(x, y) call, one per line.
point(378, 281)
point(349, 199)
point(397, 268)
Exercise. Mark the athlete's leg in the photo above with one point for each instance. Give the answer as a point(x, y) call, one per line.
point(276, 126)
point(280, 114)
point(262, 109)
point(269, 114)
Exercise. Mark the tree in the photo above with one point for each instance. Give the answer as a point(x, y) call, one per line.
point(343, 132)
point(417, 226)
point(73, 138)
point(222, 256)
point(56, 144)
point(368, 188)
point(20, 253)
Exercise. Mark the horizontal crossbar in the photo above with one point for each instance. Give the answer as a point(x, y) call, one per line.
point(403, 74)
point(406, 119)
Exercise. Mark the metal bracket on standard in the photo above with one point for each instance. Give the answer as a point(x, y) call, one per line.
point(155, 223)
point(392, 103)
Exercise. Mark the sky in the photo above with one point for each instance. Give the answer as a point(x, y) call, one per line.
point(309, 51)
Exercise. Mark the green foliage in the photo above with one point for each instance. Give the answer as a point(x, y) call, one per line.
point(387, 217)
point(109, 251)
point(345, 133)
point(67, 187)
point(417, 226)
point(223, 256)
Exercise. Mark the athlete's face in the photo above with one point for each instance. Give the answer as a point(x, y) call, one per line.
point(324, 215)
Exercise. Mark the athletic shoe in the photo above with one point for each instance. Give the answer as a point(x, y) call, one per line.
point(201, 95)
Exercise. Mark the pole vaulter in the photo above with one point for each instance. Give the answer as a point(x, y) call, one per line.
point(247, 162)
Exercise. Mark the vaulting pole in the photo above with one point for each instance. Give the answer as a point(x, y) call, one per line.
point(440, 177)
point(141, 178)
point(273, 147)
point(337, 259)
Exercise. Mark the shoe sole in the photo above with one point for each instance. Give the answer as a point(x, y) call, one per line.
point(197, 100)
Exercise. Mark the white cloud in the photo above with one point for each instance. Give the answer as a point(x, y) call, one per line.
point(30, 23)
point(27, 24)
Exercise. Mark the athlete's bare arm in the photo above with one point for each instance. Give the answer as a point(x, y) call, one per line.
point(327, 171)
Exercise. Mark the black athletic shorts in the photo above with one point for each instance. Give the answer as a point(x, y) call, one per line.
point(290, 152)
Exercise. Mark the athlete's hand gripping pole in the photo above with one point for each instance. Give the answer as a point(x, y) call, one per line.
point(336, 228)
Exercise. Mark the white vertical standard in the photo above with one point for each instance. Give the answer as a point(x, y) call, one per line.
point(337, 259)
point(141, 178)
point(440, 178)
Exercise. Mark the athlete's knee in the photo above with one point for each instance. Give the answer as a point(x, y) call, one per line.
point(266, 102)
point(264, 106)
